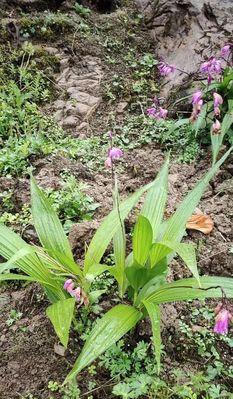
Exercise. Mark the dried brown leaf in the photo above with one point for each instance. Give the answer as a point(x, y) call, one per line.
point(200, 222)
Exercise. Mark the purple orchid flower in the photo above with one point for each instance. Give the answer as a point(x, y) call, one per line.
point(69, 285)
point(222, 321)
point(165, 69)
point(216, 127)
point(115, 153)
point(218, 100)
point(197, 96)
point(226, 50)
point(212, 67)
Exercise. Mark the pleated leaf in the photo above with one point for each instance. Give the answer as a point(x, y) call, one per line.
point(185, 251)
point(48, 226)
point(108, 330)
point(60, 314)
point(187, 289)
point(109, 227)
point(154, 205)
point(175, 226)
point(155, 317)
point(142, 240)
point(17, 251)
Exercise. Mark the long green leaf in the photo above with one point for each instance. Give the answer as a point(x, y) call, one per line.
point(187, 289)
point(154, 205)
point(108, 330)
point(175, 226)
point(155, 317)
point(60, 315)
point(142, 240)
point(12, 245)
point(109, 227)
point(185, 251)
point(48, 226)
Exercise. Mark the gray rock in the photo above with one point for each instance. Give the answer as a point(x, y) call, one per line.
point(51, 50)
point(186, 32)
point(70, 121)
point(58, 115)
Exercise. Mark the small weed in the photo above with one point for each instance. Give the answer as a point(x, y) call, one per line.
point(70, 391)
point(45, 25)
point(14, 316)
point(70, 202)
point(139, 130)
point(81, 10)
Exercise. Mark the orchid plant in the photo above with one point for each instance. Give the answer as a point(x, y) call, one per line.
point(140, 273)
point(212, 101)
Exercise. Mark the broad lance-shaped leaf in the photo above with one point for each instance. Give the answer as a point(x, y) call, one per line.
point(186, 251)
point(175, 226)
point(155, 317)
point(17, 251)
point(188, 288)
point(108, 228)
point(108, 330)
point(154, 205)
point(48, 226)
point(142, 240)
point(60, 315)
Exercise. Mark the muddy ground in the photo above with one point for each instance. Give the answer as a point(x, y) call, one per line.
point(29, 357)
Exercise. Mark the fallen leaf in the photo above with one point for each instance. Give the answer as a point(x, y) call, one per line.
point(201, 223)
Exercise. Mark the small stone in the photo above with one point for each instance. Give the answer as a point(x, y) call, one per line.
point(58, 115)
point(51, 50)
point(59, 104)
point(197, 328)
point(70, 121)
point(59, 350)
point(121, 107)
point(82, 109)
point(64, 63)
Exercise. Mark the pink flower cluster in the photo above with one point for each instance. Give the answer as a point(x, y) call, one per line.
point(197, 103)
point(223, 316)
point(113, 154)
point(77, 293)
point(165, 69)
point(212, 68)
point(157, 112)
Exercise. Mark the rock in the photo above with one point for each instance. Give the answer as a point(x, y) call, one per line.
point(59, 350)
point(51, 50)
point(83, 97)
point(59, 104)
point(64, 63)
point(83, 110)
point(121, 107)
point(58, 115)
point(70, 121)
point(186, 32)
